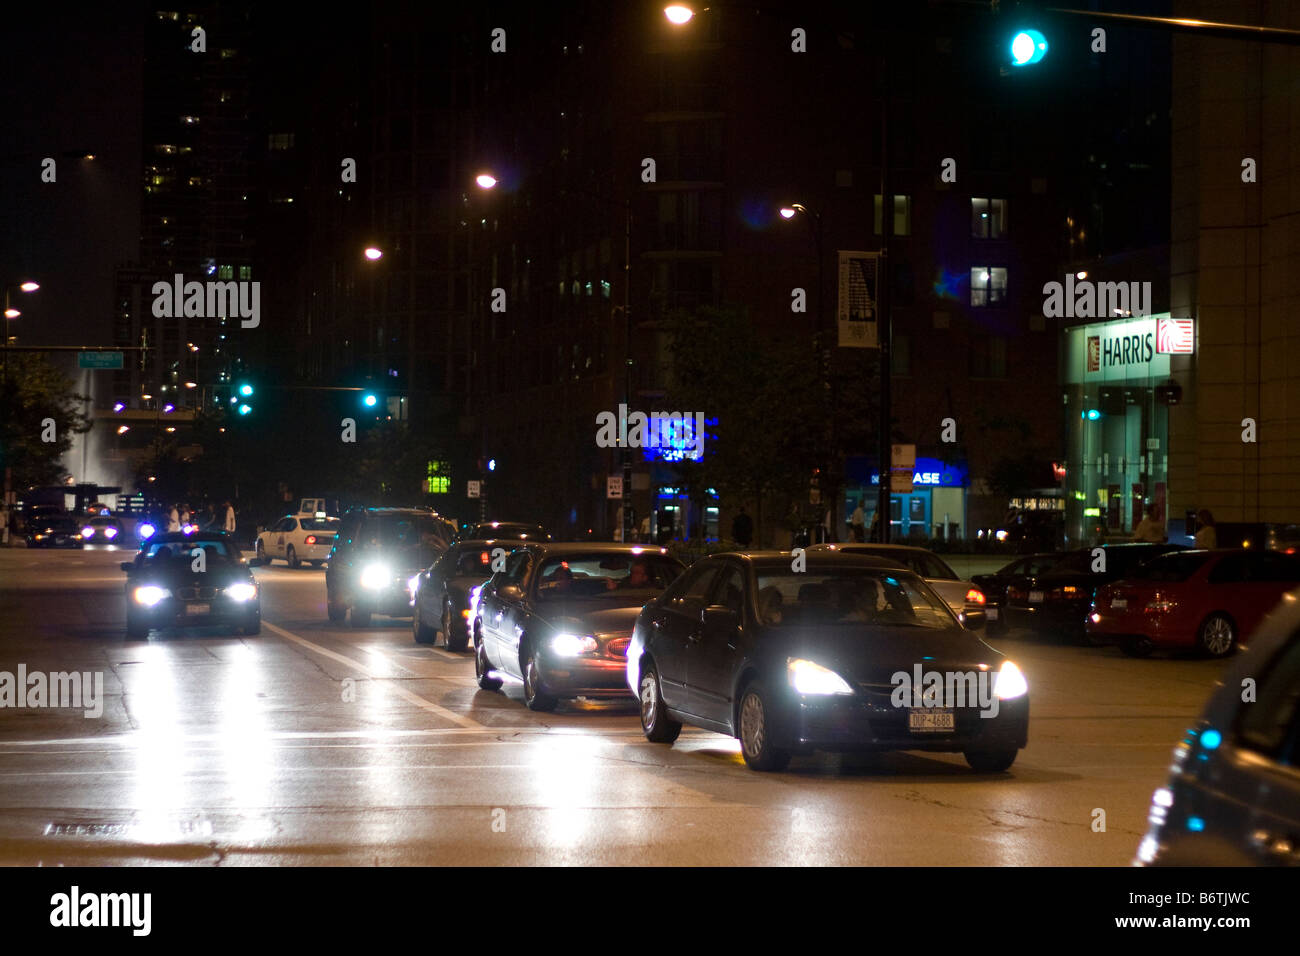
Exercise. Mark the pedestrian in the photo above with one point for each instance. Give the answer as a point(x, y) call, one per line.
point(210, 519)
point(1206, 535)
point(742, 528)
point(857, 523)
point(645, 529)
point(228, 520)
point(1150, 528)
point(174, 519)
point(185, 515)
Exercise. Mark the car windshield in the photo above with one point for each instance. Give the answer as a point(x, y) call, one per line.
point(59, 524)
point(474, 563)
point(320, 524)
point(1170, 567)
point(921, 562)
point(421, 537)
point(605, 575)
point(214, 551)
point(848, 596)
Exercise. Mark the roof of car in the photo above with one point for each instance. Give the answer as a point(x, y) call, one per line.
point(169, 536)
point(771, 559)
point(841, 545)
point(471, 543)
point(596, 547)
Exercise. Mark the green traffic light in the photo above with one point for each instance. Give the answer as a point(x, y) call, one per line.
point(245, 409)
point(1028, 46)
point(246, 390)
point(371, 400)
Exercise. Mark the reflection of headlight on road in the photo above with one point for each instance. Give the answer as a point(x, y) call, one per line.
point(376, 576)
point(243, 591)
point(150, 595)
point(571, 645)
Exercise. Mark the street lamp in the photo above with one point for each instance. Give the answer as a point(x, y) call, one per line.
point(679, 14)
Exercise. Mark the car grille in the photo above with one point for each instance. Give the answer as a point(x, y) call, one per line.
point(618, 646)
point(197, 594)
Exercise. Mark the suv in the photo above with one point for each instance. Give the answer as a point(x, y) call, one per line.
point(376, 552)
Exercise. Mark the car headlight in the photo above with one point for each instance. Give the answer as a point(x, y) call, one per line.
point(150, 595)
point(110, 532)
point(809, 677)
point(571, 645)
point(1010, 682)
point(376, 577)
point(87, 532)
point(243, 591)
point(145, 530)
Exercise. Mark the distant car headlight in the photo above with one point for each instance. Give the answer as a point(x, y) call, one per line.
point(145, 530)
point(809, 677)
point(110, 532)
point(150, 595)
point(376, 577)
point(1010, 683)
point(87, 532)
point(243, 591)
point(571, 645)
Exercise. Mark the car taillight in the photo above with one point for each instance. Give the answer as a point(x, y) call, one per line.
point(1065, 593)
point(311, 539)
point(975, 596)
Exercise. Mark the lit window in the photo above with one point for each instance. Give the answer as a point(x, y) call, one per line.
point(988, 286)
point(902, 225)
point(988, 218)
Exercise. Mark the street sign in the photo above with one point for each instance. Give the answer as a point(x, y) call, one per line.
point(110, 360)
point(903, 460)
point(473, 491)
point(855, 314)
point(614, 487)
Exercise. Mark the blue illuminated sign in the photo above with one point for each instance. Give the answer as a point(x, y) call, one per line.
point(933, 473)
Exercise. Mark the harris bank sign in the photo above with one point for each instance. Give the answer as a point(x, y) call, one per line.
point(1126, 349)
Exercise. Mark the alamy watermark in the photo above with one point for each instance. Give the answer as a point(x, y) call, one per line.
point(945, 689)
point(82, 691)
point(208, 300)
point(680, 431)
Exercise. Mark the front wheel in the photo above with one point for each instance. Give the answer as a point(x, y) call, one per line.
point(535, 695)
point(136, 628)
point(658, 727)
point(1217, 636)
point(483, 669)
point(359, 618)
point(260, 550)
point(756, 731)
point(991, 761)
point(336, 610)
point(454, 641)
point(292, 557)
point(253, 626)
point(423, 633)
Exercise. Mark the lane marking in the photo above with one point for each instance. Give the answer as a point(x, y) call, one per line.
point(397, 689)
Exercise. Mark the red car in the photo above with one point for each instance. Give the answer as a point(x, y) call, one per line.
point(1211, 600)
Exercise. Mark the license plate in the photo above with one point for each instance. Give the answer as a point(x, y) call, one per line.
point(1119, 604)
point(198, 608)
point(930, 721)
point(1035, 597)
point(991, 614)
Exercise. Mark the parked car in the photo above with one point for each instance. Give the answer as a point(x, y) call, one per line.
point(58, 531)
point(106, 531)
point(1211, 600)
point(441, 593)
point(499, 530)
point(376, 553)
point(168, 585)
point(965, 599)
point(1233, 793)
point(994, 586)
point(560, 616)
point(795, 661)
point(298, 538)
point(1059, 599)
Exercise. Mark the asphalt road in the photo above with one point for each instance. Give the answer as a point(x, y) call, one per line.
point(315, 743)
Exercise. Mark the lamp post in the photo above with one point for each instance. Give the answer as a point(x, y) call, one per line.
point(10, 313)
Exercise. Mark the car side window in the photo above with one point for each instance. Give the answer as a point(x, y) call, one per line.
point(935, 568)
point(517, 567)
point(730, 592)
point(1263, 726)
point(290, 524)
point(689, 591)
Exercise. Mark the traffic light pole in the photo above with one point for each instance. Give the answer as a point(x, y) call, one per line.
point(884, 320)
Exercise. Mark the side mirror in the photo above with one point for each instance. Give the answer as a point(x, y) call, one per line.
point(510, 592)
point(718, 621)
point(974, 620)
point(127, 566)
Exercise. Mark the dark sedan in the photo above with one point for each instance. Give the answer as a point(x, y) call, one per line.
point(846, 654)
point(1060, 599)
point(59, 531)
point(190, 580)
point(106, 532)
point(560, 616)
point(1016, 573)
point(440, 595)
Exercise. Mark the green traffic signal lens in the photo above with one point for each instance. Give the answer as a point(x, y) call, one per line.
point(1028, 46)
point(246, 390)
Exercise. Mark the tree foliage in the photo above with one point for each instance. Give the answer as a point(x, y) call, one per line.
point(37, 402)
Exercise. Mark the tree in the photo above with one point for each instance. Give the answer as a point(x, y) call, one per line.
point(39, 414)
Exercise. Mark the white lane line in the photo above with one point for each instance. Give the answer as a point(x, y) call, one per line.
point(397, 689)
point(511, 735)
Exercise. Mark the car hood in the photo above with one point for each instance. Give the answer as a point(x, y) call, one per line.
point(872, 655)
point(588, 620)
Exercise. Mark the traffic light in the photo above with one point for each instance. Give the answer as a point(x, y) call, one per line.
point(1028, 46)
point(245, 389)
point(370, 399)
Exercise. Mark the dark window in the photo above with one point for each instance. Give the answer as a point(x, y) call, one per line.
point(988, 218)
point(1263, 725)
point(988, 356)
point(1232, 569)
point(730, 592)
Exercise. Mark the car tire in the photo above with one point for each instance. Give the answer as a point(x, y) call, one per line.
point(291, 556)
point(1137, 646)
point(336, 610)
point(453, 642)
point(535, 695)
point(358, 618)
point(253, 627)
point(422, 632)
point(318, 564)
point(657, 726)
point(482, 669)
point(1217, 635)
point(136, 629)
point(991, 761)
point(754, 730)
point(259, 551)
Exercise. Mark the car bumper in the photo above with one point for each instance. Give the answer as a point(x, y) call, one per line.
point(174, 612)
point(1050, 615)
point(392, 601)
point(574, 677)
point(855, 723)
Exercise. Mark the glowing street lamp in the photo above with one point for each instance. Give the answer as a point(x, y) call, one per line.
point(678, 14)
point(485, 180)
point(374, 254)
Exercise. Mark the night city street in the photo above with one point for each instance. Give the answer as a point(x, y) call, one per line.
point(442, 443)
